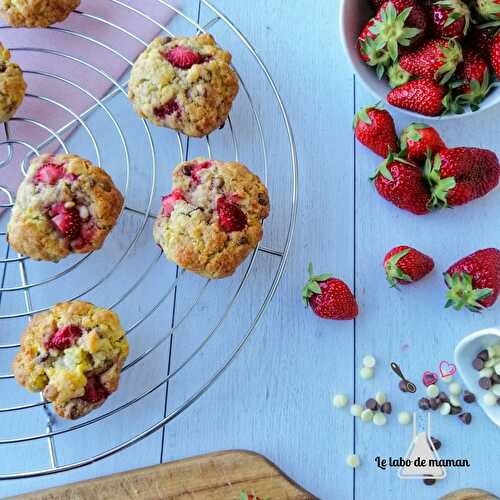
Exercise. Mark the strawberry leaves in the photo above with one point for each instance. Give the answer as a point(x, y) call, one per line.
point(463, 294)
point(439, 187)
point(312, 286)
point(394, 272)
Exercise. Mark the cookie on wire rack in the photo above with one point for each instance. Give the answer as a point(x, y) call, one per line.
point(36, 13)
point(73, 353)
point(12, 86)
point(212, 220)
point(184, 83)
point(64, 205)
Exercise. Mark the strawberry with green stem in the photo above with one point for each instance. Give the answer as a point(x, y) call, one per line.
point(457, 176)
point(450, 18)
point(489, 10)
point(401, 182)
point(374, 127)
point(495, 54)
point(417, 140)
point(474, 281)
point(435, 60)
point(404, 265)
point(328, 297)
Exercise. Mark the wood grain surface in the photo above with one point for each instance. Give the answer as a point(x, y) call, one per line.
point(216, 476)
point(469, 494)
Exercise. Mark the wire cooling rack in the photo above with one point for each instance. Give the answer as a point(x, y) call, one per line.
point(24, 282)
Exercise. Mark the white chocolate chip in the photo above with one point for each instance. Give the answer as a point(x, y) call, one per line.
point(369, 361)
point(455, 388)
point(496, 390)
point(353, 460)
point(379, 419)
point(454, 401)
point(84, 212)
point(497, 368)
point(432, 391)
point(448, 379)
point(366, 372)
point(366, 415)
point(404, 418)
point(69, 204)
point(486, 373)
point(380, 398)
point(445, 409)
point(490, 399)
point(356, 410)
point(340, 400)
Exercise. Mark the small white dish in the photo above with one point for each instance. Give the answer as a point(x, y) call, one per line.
point(465, 353)
point(354, 14)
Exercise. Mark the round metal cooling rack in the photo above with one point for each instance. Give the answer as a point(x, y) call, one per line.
point(10, 262)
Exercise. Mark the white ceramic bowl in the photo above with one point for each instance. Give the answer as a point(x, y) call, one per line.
point(354, 14)
point(465, 353)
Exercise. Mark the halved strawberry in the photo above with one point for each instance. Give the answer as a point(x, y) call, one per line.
point(49, 173)
point(183, 57)
point(66, 220)
point(64, 338)
point(170, 200)
point(231, 217)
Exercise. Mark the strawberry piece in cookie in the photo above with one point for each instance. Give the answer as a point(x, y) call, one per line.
point(183, 57)
point(64, 337)
point(66, 220)
point(231, 217)
point(95, 392)
point(50, 173)
point(170, 200)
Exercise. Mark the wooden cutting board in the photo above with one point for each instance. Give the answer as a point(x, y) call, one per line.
point(216, 476)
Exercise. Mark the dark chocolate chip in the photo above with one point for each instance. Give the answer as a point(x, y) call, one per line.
point(485, 383)
point(469, 397)
point(478, 364)
point(424, 404)
point(443, 397)
point(483, 355)
point(429, 481)
point(386, 408)
point(455, 410)
point(434, 403)
point(436, 442)
point(465, 418)
point(402, 386)
point(187, 169)
point(371, 404)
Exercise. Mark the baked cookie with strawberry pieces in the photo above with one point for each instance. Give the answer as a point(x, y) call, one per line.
point(73, 353)
point(185, 83)
point(64, 205)
point(36, 13)
point(212, 219)
point(12, 86)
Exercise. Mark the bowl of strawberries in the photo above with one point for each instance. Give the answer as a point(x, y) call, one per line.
point(437, 58)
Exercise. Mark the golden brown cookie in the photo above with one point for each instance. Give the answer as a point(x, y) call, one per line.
point(186, 84)
point(36, 13)
point(212, 219)
point(64, 205)
point(12, 86)
point(74, 353)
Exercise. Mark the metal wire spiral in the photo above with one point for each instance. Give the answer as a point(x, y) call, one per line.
point(9, 259)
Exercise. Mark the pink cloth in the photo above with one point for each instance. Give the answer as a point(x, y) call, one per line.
point(49, 114)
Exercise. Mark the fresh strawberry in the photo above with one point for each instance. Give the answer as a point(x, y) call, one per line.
point(377, 4)
point(64, 338)
point(49, 173)
point(398, 23)
point(329, 298)
point(95, 392)
point(475, 74)
point(422, 96)
point(450, 18)
point(167, 109)
point(460, 175)
point(417, 140)
point(495, 54)
point(436, 60)
point(231, 217)
point(170, 200)
point(403, 184)
point(474, 281)
point(183, 57)
point(66, 220)
point(480, 40)
point(404, 265)
point(489, 9)
point(374, 127)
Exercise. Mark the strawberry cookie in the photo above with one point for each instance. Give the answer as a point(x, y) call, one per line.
point(64, 205)
point(12, 86)
point(212, 219)
point(74, 353)
point(186, 84)
point(36, 13)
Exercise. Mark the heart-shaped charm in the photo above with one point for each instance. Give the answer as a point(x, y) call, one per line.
point(447, 369)
point(429, 378)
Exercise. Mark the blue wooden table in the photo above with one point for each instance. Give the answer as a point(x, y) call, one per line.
point(276, 397)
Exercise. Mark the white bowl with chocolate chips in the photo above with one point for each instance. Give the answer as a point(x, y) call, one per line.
point(477, 358)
